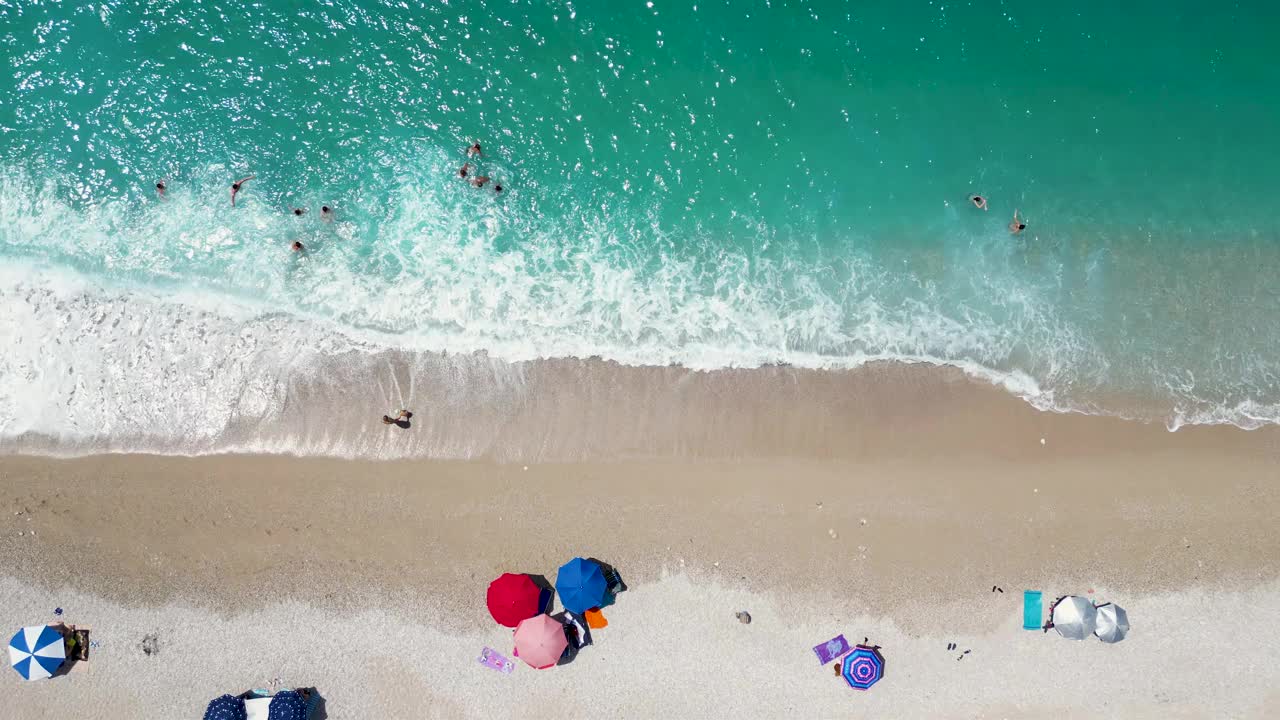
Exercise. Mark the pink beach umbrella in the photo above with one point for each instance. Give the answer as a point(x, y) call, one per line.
point(540, 641)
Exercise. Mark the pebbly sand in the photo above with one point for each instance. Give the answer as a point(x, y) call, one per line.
point(367, 579)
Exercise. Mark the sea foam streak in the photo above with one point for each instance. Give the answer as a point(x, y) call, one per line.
point(177, 327)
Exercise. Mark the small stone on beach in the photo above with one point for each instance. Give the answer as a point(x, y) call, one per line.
point(744, 617)
point(863, 521)
point(832, 533)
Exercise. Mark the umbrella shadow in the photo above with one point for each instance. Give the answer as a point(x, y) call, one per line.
point(320, 712)
point(546, 592)
point(576, 643)
point(82, 637)
point(614, 580)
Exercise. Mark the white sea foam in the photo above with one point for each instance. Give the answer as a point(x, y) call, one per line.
point(173, 327)
point(94, 368)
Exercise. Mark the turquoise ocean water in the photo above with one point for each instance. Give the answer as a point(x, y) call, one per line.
point(712, 184)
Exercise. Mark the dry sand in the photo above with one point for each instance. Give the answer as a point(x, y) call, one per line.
point(367, 579)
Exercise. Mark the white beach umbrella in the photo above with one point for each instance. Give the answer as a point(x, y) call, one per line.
point(1074, 617)
point(1113, 623)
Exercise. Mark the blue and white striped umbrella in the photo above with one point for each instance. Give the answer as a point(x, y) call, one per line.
point(37, 652)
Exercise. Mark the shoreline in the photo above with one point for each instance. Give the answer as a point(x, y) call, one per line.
point(472, 407)
point(884, 505)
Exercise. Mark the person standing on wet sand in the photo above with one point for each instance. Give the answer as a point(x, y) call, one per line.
point(235, 188)
point(402, 419)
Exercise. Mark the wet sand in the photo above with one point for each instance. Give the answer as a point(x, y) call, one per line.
point(896, 528)
point(473, 407)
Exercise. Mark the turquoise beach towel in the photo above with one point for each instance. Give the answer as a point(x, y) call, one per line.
point(1031, 610)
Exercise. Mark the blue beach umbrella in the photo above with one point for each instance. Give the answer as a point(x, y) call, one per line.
point(287, 705)
point(863, 667)
point(226, 708)
point(580, 585)
point(37, 652)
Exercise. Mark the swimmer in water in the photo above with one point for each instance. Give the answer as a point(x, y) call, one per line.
point(235, 188)
point(479, 180)
point(296, 246)
point(1016, 226)
point(160, 189)
point(326, 214)
point(299, 211)
point(497, 188)
point(462, 171)
point(978, 201)
point(474, 150)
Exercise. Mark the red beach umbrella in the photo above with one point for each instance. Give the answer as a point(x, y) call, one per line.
point(540, 641)
point(513, 598)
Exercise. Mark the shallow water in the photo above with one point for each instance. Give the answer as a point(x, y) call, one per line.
point(712, 185)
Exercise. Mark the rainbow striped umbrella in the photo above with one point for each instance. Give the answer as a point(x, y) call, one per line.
point(863, 667)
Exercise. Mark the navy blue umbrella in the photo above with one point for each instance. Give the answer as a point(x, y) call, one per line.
point(226, 708)
point(287, 705)
point(580, 585)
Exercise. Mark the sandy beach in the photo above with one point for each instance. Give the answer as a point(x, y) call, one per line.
point(859, 319)
point(367, 579)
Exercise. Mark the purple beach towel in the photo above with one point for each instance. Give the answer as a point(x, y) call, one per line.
point(494, 660)
point(831, 649)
